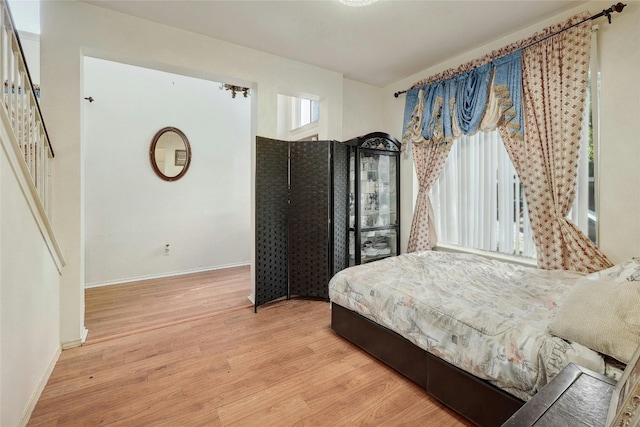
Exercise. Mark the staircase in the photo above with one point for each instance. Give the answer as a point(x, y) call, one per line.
point(21, 112)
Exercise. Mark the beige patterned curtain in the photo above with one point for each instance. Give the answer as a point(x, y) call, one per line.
point(554, 73)
point(429, 160)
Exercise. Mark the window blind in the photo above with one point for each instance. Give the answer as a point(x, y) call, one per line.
point(478, 199)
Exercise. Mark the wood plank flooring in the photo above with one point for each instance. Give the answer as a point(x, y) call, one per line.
point(117, 310)
point(283, 366)
point(280, 367)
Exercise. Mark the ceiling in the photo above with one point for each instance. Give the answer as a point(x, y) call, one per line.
point(377, 44)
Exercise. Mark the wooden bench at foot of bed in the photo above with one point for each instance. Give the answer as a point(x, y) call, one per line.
point(474, 398)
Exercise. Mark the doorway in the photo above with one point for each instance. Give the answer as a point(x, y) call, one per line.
point(138, 227)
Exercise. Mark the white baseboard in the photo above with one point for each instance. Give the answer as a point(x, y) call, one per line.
point(71, 344)
point(24, 420)
point(159, 276)
point(76, 343)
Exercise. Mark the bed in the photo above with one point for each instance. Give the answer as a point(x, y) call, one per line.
point(474, 332)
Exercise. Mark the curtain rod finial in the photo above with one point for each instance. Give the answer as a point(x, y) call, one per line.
point(618, 7)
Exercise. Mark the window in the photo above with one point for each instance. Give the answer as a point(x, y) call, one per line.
point(479, 202)
point(583, 212)
point(26, 15)
point(305, 111)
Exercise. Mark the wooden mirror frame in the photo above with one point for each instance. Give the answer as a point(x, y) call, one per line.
point(152, 152)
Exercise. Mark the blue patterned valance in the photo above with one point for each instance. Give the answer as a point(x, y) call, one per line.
point(507, 86)
point(471, 98)
point(480, 99)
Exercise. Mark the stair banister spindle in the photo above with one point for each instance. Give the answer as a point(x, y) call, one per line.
point(22, 109)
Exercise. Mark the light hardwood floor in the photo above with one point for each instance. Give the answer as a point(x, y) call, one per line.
point(283, 366)
point(118, 310)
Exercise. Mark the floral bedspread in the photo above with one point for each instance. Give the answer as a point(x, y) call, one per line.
point(486, 317)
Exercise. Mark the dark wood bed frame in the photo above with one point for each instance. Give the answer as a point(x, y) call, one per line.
point(473, 398)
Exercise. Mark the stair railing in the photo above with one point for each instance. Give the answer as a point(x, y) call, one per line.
point(22, 108)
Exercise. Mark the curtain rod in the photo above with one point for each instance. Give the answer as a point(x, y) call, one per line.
point(606, 12)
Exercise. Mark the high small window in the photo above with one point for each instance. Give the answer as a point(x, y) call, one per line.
point(26, 15)
point(305, 111)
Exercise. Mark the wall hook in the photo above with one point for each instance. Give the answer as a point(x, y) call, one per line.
point(89, 98)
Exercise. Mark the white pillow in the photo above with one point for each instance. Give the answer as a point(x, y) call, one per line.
point(602, 315)
point(627, 271)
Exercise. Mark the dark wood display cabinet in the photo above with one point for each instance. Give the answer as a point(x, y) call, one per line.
point(374, 197)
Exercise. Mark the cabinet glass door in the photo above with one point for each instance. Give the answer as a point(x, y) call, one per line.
point(373, 206)
point(377, 244)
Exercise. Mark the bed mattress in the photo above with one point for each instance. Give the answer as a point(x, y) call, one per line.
point(486, 317)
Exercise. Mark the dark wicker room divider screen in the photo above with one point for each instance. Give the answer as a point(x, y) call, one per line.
point(301, 217)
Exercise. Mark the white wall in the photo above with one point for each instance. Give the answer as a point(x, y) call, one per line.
point(619, 208)
point(130, 213)
point(31, 47)
point(70, 30)
point(362, 110)
point(29, 300)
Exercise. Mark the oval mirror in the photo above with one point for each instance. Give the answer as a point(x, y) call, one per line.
point(170, 154)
